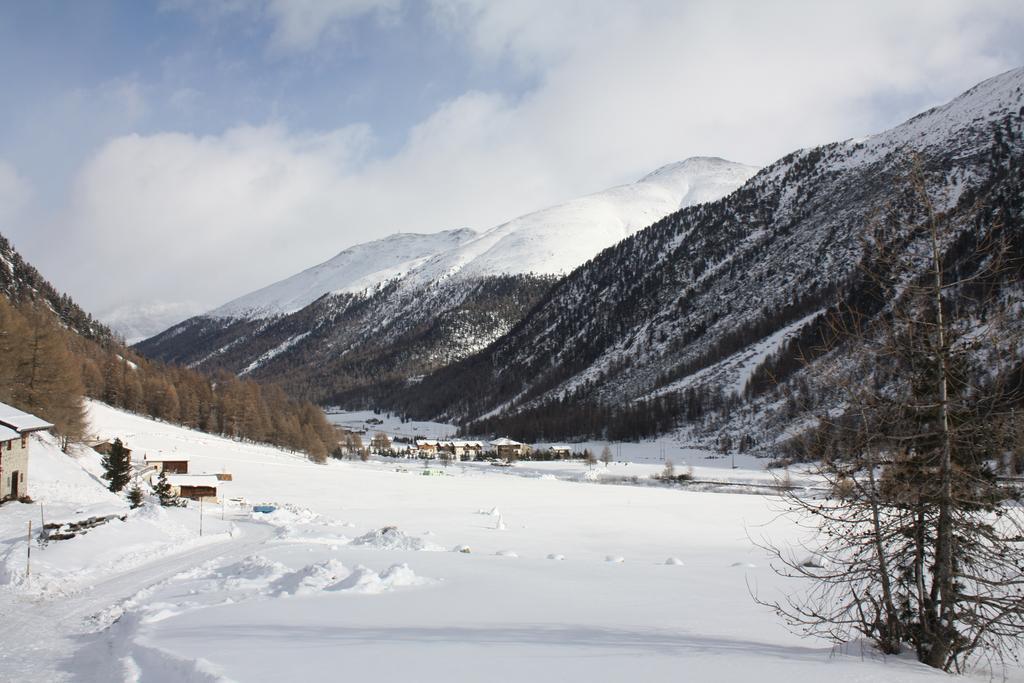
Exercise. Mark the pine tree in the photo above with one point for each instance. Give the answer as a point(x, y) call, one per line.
point(135, 496)
point(117, 466)
point(163, 491)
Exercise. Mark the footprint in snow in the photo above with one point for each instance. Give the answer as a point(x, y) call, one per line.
point(746, 565)
point(614, 559)
point(674, 561)
point(556, 556)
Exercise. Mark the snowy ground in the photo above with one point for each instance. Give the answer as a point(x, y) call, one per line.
point(564, 579)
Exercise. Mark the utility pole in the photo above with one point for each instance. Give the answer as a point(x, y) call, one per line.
point(28, 555)
point(200, 515)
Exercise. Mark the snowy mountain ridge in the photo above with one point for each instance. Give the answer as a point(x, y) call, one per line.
point(354, 270)
point(550, 241)
point(404, 305)
point(555, 240)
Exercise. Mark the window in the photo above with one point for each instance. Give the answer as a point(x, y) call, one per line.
point(24, 440)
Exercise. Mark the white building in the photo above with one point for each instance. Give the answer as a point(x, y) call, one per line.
point(15, 427)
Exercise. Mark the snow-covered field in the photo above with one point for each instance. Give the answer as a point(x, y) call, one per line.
point(371, 571)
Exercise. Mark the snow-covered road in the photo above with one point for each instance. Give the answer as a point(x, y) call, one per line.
point(41, 641)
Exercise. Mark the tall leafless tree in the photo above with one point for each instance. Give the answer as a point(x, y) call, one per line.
point(919, 542)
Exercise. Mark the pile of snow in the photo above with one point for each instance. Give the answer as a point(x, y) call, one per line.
point(311, 578)
point(391, 538)
point(252, 573)
point(365, 580)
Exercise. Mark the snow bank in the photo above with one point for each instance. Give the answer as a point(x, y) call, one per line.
point(311, 578)
point(365, 580)
point(390, 538)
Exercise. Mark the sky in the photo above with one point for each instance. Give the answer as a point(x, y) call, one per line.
point(181, 153)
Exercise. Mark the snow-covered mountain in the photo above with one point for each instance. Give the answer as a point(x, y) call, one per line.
point(555, 240)
point(551, 241)
point(703, 314)
point(395, 308)
point(357, 269)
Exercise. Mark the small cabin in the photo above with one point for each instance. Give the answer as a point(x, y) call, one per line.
point(105, 446)
point(15, 428)
point(194, 486)
point(167, 464)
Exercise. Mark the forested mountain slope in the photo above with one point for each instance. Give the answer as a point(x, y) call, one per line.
point(667, 327)
point(52, 354)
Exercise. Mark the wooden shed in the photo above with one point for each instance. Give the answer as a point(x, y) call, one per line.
point(194, 486)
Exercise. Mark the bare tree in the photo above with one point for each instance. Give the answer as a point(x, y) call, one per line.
point(919, 543)
point(606, 455)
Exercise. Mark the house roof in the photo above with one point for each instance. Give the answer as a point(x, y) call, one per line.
point(468, 444)
point(558, 447)
point(164, 458)
point(20, 421)
point(504, 441)
point(8, 434)
point(193, 480)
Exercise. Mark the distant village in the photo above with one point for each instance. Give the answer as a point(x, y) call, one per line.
point(351, 445)
point(174, 468)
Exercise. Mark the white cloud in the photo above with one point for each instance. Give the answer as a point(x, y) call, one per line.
point(300, 24)
point(195, 217)
point(297, 26)
point(620, 89)
point(15, 194)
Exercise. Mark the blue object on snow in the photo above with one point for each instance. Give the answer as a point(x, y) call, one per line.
point(263, 508)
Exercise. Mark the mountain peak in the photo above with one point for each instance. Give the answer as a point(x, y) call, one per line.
point(355, 269)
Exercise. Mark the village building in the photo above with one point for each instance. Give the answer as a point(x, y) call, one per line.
point(467, 450)
point(15, 428)
point(427, 447)
point(506, 448)
point(104, 446)
point(194, 486)
point(560, 452)
point(168, 464)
